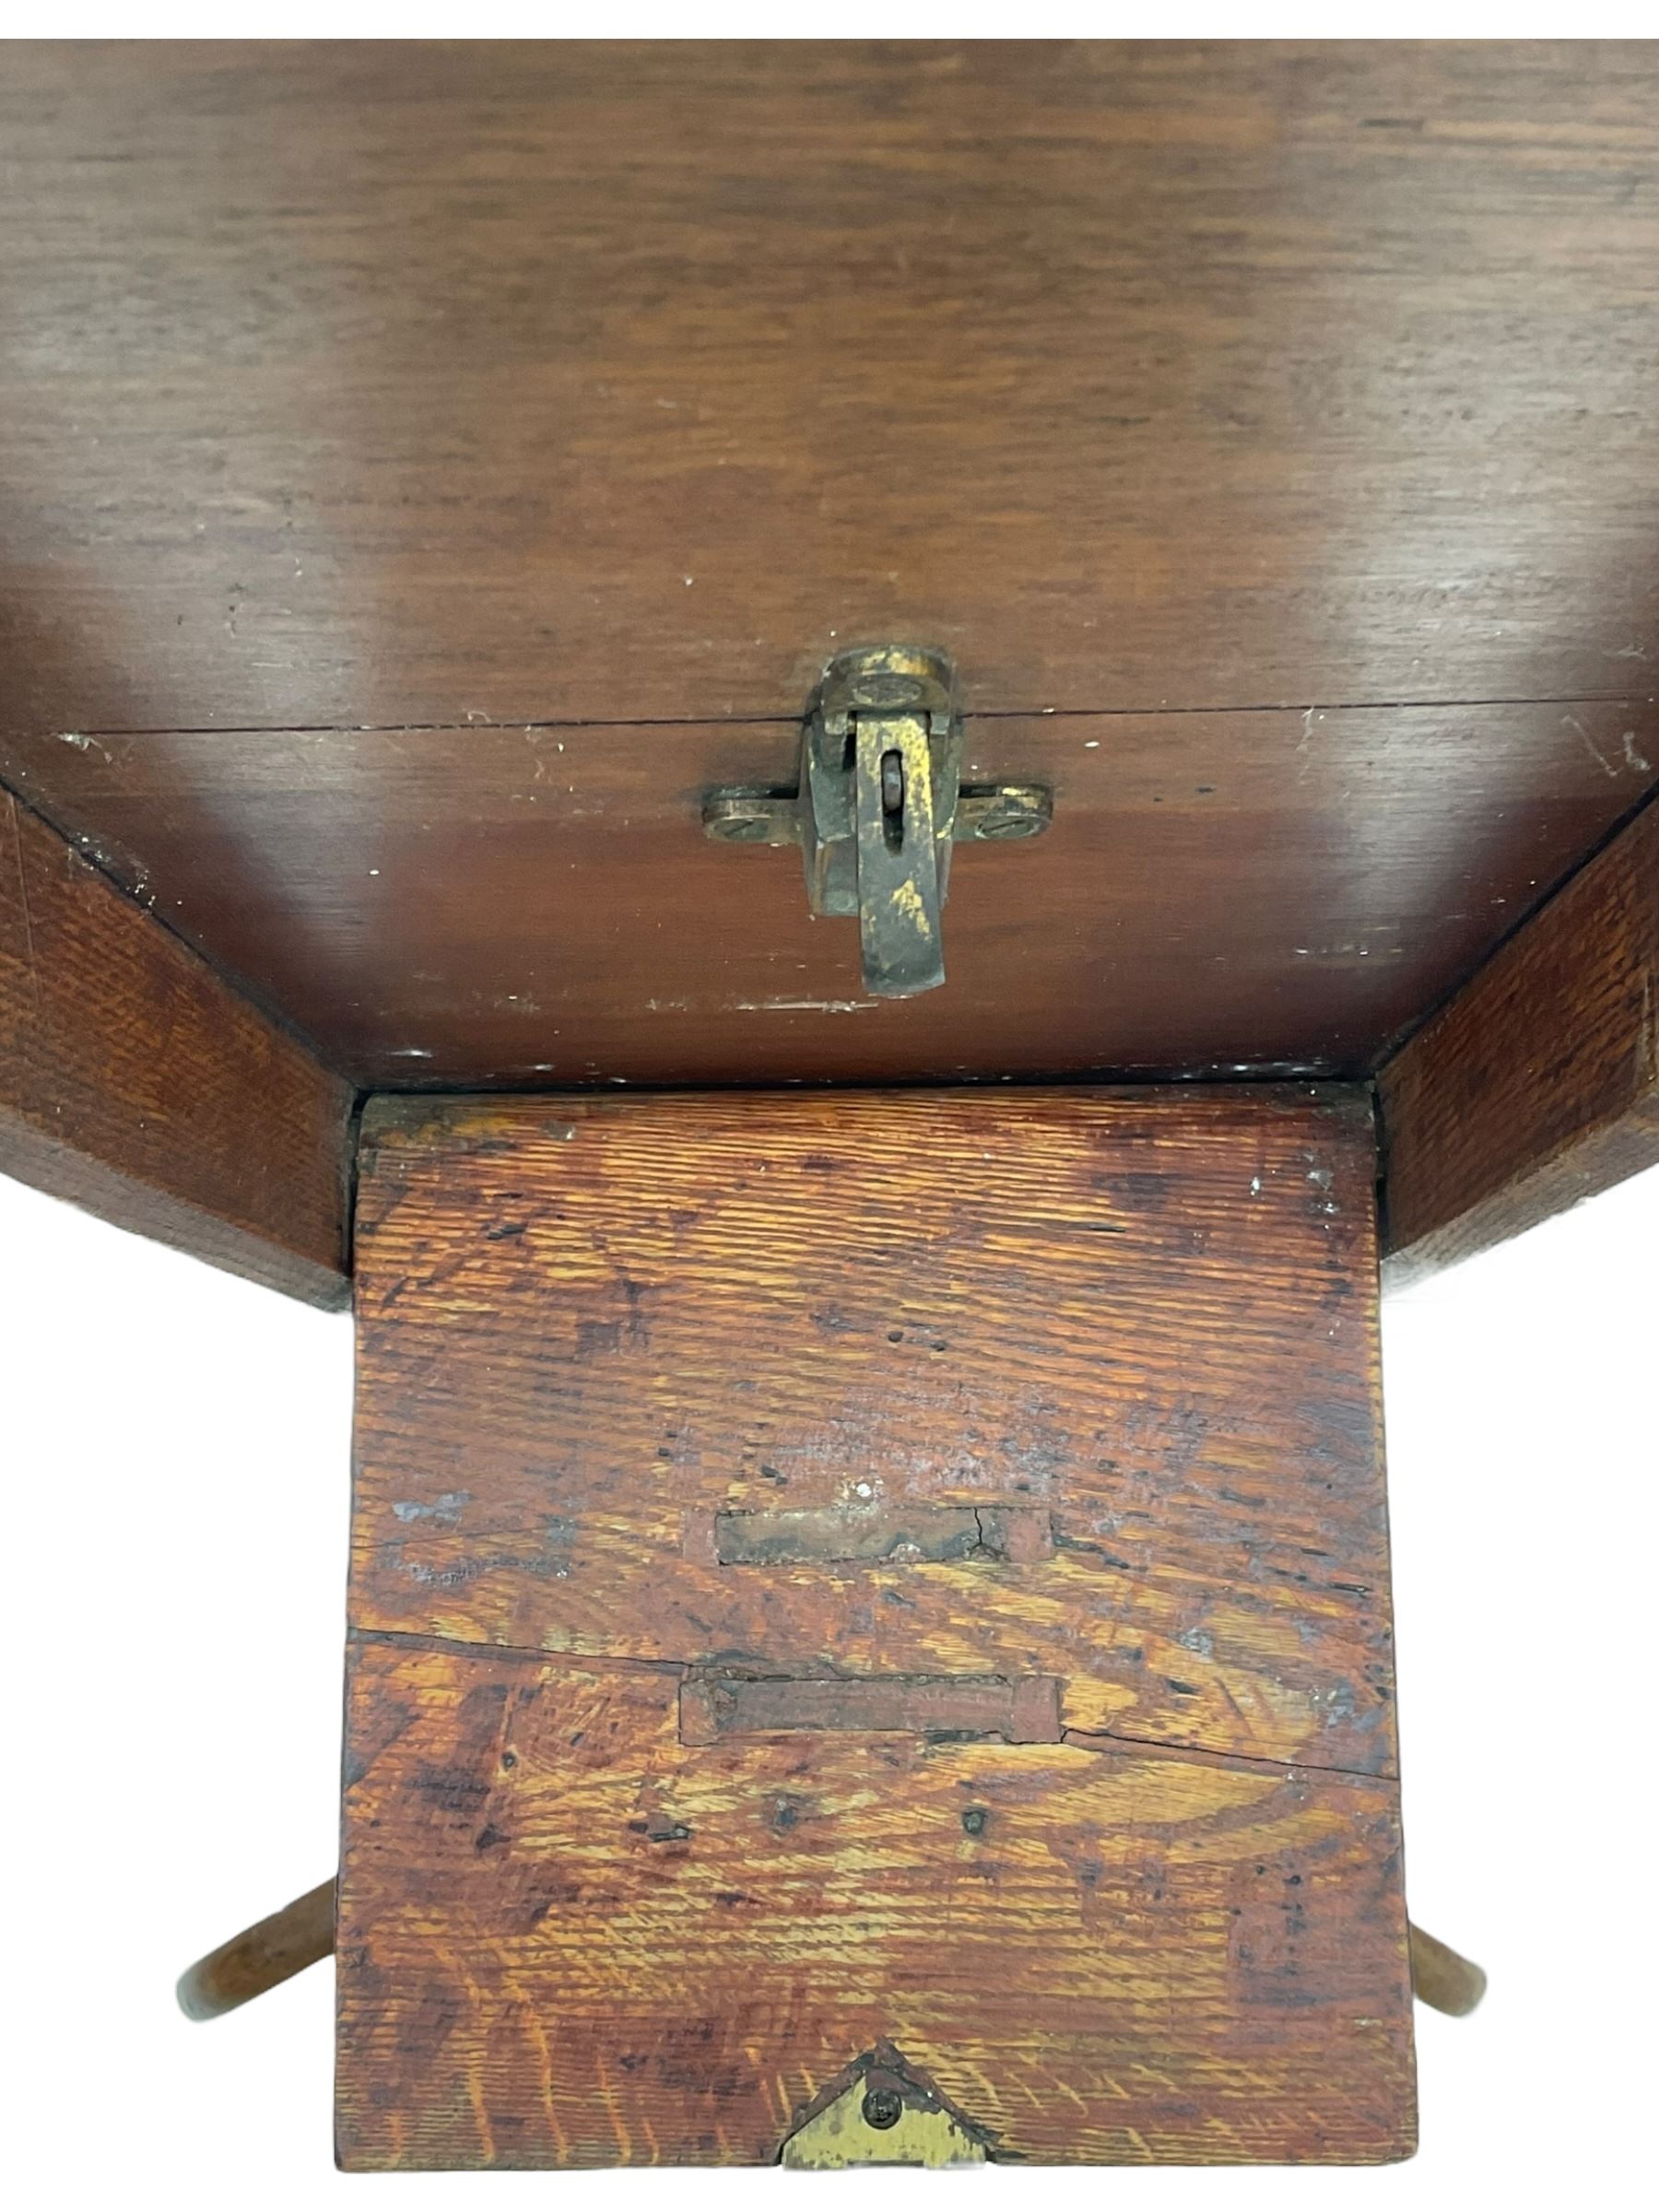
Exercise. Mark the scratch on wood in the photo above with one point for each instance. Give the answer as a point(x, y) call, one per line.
point(1590, 745)
point(28, 943)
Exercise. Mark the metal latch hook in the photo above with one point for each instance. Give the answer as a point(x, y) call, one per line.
point(879, 802)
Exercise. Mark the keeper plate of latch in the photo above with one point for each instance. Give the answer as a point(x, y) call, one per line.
point(879, 803)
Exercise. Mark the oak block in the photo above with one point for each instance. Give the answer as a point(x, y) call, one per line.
point(696, 1745)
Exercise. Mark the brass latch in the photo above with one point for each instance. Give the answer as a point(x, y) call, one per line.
point(881, 799)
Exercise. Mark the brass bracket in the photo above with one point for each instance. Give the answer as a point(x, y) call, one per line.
point(881, 2111)
point(879, 801)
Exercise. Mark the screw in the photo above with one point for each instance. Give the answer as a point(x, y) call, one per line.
point(738, 817)
point(1009, 824)
point(882, 2107)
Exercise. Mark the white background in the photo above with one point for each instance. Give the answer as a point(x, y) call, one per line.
point(175, 1476)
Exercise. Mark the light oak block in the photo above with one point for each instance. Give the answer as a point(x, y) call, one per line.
point(691, 1751)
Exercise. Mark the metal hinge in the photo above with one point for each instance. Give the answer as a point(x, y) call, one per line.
point(879, 801)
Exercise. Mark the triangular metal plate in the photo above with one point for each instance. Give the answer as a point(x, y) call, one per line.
point(881, 2111)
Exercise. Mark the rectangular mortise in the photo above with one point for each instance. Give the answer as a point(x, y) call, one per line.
point(827, 1535)
point(1025, 1710)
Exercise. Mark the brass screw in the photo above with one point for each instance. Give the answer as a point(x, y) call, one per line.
point(741, 817)
point(882, 2107)
point(1013, 821)
point(740, 826)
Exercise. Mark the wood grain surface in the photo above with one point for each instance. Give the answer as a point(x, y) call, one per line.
point(539, 907)
point(651, 1828)
point(568, 1940)
point(1538, 1084)
point(373, 415)
point(134, 1082)
point(391, 383)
